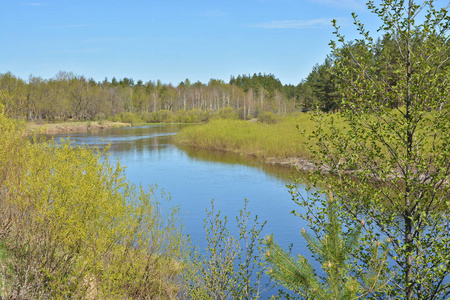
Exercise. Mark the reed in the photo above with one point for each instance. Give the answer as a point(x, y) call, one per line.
point(287, 138)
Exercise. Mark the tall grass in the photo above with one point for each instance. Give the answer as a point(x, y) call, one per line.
point(280, 140)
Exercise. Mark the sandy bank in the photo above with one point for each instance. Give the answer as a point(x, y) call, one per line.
point(73, 126)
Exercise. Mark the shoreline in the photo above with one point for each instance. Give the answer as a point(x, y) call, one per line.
point(72, 126)
point(298, 163)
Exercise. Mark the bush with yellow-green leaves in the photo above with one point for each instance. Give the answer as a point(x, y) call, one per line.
point(71, 226)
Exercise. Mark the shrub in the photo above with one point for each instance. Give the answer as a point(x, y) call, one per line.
point(128, 117)
point(267, 117)
point(198, 116)
point(228, 113)
point(148, 117)
point(160, 116)
point(181, 116)
point(71, 226)
point(100, 117)
point(231, 267)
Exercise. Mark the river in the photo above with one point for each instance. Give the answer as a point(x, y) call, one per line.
point(193, 178)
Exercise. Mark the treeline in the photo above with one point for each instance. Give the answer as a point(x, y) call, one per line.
point(71, 97)
point(68, 96)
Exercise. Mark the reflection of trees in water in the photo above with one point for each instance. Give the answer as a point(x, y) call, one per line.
point(142, 145)
point(280, 172)
point(137, 140)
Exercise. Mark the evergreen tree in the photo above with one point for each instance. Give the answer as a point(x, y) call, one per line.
point(332, 248)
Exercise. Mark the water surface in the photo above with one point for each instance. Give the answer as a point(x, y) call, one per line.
point(194, 178)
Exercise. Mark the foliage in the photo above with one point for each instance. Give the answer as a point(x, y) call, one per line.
point(191, 116)
point(160, 116)
point(72, 227)
point(332, 248)
point(323, 88)
point(257, 82)
point(180, 116)
point(391, 164)
point(232, 266)
point(127, 117)
point(227, 113)
point(267, 117)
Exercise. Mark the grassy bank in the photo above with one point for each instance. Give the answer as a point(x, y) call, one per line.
point(280, 141)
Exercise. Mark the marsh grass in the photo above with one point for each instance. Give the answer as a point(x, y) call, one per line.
point(292, 136)
point(287, 138)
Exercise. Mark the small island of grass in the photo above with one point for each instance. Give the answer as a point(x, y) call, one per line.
point(285, 142)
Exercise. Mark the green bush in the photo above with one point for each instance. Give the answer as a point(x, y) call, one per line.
point(72, 227)
point(160, 116)
point(128, 117)
point(267, 117)
point(198, 116)
point(180, 116)
point(164, 116)
point(100, 117)
point(228, 113)
point(231, 267)
point(147, 117)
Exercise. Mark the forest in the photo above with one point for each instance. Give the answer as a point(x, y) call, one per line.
point(71, 97)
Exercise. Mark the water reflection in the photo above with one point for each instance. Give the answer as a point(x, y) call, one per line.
point(136, 139)
point(280, 172)
point(137, 142)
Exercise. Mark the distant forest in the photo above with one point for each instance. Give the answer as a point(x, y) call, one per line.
point(68, 96)
point(71, 97)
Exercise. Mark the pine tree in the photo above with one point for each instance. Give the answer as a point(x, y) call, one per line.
point(332, 248)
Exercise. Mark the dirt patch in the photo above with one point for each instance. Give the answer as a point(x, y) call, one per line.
point(299, 163)
point(73, 127)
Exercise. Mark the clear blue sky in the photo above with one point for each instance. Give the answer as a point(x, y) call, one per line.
point(171, 40)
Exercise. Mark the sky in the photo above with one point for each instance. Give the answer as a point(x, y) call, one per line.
point(172, 40)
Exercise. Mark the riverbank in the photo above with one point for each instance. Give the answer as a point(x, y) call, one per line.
point(285, 143)
point(73, 126)
point(299, 163)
